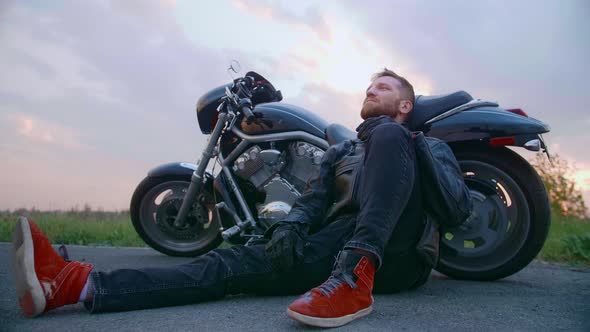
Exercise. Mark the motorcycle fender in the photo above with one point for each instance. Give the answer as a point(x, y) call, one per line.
point(180, 169)
point(483, 123)
point(173, 169)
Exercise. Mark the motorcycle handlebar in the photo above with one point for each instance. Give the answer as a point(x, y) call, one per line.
point(248, 113)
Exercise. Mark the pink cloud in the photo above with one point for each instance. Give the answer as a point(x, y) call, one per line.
point(332, 105)
point(312, 18)
point(39, 131)
point(42, 177)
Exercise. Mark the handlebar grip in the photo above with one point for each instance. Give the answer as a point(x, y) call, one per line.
point(248, 114)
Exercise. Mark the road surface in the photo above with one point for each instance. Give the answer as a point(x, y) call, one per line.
point(542, 297)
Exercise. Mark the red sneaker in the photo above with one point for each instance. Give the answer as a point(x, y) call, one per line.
point(344, 297)
point(44, 280)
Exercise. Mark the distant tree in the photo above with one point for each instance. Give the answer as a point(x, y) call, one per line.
point(566, 199)
point(87, 208)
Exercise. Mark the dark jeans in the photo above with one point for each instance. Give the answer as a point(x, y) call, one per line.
point(388, 191)
point(388, 227)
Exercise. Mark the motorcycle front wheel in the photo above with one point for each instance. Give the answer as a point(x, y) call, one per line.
point(154, 206)
point(510, 220)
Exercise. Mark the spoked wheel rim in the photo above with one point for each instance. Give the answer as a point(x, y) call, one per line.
point(498, 226)
point(158, 211)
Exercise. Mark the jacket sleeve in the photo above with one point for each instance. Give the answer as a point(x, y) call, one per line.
point(310, 208)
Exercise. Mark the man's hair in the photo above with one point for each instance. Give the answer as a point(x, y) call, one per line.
point(407, 90)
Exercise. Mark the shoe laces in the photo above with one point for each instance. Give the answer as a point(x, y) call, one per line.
point(329, 286)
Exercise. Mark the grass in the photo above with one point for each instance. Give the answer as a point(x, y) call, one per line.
point(568, 240)
point(78, 227)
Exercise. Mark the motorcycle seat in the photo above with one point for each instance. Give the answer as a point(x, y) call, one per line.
point(336, 133)
point(427, 107)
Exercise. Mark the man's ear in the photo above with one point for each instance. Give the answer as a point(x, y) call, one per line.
point(405, 106)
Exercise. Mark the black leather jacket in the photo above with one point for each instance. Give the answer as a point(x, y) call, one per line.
point(333, 192)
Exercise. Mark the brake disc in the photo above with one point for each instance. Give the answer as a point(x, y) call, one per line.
point(196, 219)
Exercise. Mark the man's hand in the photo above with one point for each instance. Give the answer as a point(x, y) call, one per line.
point(285, 247)
point(366, 127)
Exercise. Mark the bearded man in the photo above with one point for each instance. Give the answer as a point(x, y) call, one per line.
point(352, 232)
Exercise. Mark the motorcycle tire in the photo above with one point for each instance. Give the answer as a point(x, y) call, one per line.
point(154, 206)
point(511, 216)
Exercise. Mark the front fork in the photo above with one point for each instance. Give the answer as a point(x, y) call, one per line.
point(197, 184)
point(197, 178)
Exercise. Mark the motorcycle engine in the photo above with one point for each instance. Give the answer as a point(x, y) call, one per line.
point(281, 175)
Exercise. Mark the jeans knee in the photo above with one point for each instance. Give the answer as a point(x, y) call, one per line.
point(389, 133)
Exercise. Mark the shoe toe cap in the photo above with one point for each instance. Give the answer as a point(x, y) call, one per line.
point(311, 304)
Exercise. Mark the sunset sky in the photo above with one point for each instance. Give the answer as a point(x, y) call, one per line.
point(95, 93)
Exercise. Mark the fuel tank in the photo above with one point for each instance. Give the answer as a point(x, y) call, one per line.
point(280, 117)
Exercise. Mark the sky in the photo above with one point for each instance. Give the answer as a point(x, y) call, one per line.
point(95, 93)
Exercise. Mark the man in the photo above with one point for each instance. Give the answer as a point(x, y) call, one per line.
point(362, 214)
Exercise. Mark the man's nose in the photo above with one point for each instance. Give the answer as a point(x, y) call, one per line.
point(370, 92)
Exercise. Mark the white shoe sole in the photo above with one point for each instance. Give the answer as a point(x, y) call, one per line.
point(328, 322)
point(28, 289)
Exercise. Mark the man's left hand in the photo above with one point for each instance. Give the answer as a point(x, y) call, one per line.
point(285, 247)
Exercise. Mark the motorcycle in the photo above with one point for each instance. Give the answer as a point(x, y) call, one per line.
point(268, 150)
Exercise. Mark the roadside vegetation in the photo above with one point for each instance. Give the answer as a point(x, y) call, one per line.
point(568, 240)
point(569, 236)
point(84, 227)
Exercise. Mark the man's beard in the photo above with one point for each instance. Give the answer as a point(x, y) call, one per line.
point(374, 109)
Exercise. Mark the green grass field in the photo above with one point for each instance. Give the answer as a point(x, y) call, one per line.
point(568, 241)
point(79, 227)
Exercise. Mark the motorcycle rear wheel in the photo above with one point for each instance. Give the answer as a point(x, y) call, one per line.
point(511, 216)
point(154, 206)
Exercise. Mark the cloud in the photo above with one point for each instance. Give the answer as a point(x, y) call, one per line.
point(101, 66)
point(36, 130)
point(331, 104)
point(582, 178)
point(115, 82)
point(49, 166)
point(487, 48)
point(454, 42)
point(98, 93)
point(311, 17)
point(47, 178)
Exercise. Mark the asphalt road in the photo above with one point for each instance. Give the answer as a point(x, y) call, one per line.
point(542, 297)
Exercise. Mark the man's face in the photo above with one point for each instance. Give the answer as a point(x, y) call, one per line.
point(383, 98)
